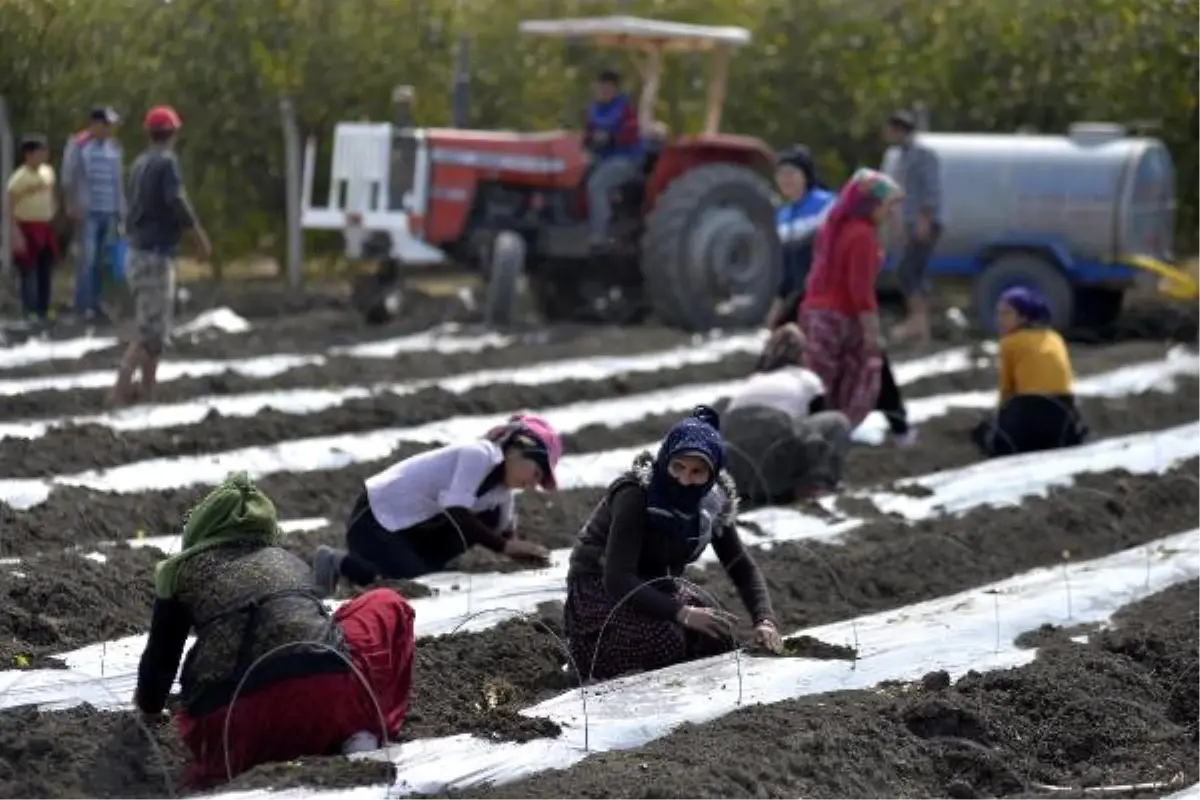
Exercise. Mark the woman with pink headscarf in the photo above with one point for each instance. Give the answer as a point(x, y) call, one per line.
point(417, 515)
point(840, 314)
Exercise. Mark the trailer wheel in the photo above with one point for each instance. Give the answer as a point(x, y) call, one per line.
point(710, 236)
point(1014, 269)
point(506, 264)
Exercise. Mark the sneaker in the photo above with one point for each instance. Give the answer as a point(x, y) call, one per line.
point(361, 742)
point(327, 565)
point(906, 439)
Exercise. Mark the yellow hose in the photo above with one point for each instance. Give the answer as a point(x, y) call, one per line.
point(1177, 283)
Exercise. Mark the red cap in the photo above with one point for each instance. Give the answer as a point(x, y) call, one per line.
point(162, 118)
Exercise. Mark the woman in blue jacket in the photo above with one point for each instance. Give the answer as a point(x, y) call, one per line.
point(806, 202)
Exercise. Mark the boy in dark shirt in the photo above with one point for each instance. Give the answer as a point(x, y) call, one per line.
point(159, 214)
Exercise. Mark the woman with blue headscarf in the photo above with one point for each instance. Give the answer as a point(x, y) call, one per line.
point(1036, 406)
point(627, 608)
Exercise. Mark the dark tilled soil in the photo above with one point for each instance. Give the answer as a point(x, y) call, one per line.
point(306, 330)
point(475, 682)
point(944, 441)
point(884, 564)
point(345, 371)
point(888, 563)
point(1118, 710)
point(84, 752)
point(59, 601)
point(470, 683)
point(319, 331)
point(76, 516)
point(75, 448)
point(82, 516)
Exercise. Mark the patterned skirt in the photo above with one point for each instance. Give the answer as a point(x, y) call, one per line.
point(605, 643)
point(837, 351)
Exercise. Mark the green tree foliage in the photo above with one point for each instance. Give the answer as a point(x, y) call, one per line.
point(822, 71)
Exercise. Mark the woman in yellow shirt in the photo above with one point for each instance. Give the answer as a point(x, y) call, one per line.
point(35, 246)
point(1036, 407)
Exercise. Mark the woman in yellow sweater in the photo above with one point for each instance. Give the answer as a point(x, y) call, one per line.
point(1036, 409)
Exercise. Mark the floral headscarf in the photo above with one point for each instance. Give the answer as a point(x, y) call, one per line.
point(862, 194)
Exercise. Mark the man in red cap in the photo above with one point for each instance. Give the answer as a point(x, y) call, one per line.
point(159, 215)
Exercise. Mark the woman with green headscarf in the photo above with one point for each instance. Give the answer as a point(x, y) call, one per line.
point(272, 674)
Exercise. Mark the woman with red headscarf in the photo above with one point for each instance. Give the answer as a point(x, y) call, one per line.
point(840, 315)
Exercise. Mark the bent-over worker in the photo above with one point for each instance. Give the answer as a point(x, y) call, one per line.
point(267, 652)
point(627, 609)
point(420, 513)
point(780, 440)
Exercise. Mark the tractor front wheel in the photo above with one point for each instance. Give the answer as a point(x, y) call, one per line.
point(710, 253)
point(506, 265)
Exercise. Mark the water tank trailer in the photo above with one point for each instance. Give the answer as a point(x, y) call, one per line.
point(1081, 217)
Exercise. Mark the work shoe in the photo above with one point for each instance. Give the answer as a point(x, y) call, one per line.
point(361, 742)
point(327, 569)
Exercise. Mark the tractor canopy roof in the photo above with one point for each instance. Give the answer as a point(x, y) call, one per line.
point(637, 33)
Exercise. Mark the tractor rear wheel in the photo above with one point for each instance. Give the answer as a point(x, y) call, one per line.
point(710, 253)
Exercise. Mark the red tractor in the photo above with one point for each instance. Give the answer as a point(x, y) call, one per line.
point(692, 231)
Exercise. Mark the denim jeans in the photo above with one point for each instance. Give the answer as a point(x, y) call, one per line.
point(606, 176)
point(98, 232)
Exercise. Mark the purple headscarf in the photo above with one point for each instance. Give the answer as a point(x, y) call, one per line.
point(1029, 303)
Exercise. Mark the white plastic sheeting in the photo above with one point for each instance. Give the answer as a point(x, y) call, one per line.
point(443, 340)
point(99, 673)
point(255, 367)
point(37, 350)
point(104, 674)
point(1149, 376)
point(308, 401)
point(972, 630)
point(221, 319)
point(337, 451)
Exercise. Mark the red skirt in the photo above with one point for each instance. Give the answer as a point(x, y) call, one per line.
point(39, 236)
point(315, 715)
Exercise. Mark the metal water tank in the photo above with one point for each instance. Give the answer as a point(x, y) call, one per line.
point(1098, 192)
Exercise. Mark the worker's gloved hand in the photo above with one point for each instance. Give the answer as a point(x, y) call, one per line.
point(709, 621)
point(526, 551)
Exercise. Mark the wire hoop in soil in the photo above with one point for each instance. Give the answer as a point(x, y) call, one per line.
point(703, 593)
point(538, 624)
point(384, 744)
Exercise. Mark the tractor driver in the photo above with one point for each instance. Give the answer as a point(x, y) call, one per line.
point(614, 140)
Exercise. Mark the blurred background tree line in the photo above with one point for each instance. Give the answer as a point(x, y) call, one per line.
point(822, 72)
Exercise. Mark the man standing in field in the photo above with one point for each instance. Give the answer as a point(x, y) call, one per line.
point(916, 170)
point(159, 214)
point(94, 198)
